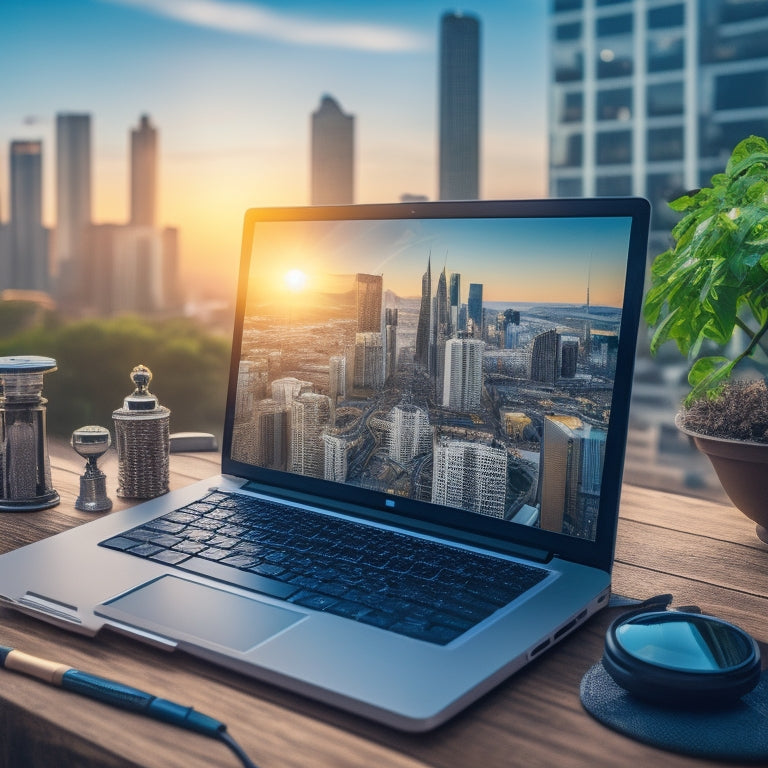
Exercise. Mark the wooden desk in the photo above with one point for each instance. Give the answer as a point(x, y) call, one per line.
point(702, 552)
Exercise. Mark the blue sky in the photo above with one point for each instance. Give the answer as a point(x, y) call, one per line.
point(519, 260)
point(231, 85)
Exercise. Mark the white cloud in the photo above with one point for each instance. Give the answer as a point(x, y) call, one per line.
point(259, 21)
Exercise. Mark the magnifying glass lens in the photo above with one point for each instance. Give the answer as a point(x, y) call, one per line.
point(681, 659)
point(695, 643)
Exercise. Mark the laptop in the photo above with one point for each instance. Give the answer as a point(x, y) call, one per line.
point(421, 459)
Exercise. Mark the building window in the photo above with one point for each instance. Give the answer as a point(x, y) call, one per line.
point(569, 65)
point(568, 31)
point(615, 58)
point(665, 144)
point(719, 139)
point(748, 45)
point(666, 17)
point(742, 10)
point(665, 99)
point(567, 151)
point(665, 52)
point(614, 186)
point(615, 104)
point(572, 107)
point(614, 147)
point(567, 5)
point(568, 188)
point(611, 2)
point(608, 26)
point(742, 91)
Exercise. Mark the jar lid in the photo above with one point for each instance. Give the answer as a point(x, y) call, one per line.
point(26, 364)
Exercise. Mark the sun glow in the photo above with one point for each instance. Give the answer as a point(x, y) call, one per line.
point(295, 280)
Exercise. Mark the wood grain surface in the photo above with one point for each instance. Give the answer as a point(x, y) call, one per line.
point(702, 552)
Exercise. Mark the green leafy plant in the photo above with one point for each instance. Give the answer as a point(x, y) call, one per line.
point(715, 277)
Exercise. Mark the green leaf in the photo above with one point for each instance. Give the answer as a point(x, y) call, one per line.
point(682, 203)
point(706, 375)
point(662, 332)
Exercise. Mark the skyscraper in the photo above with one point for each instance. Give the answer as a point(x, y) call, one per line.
point(546, 362)
point(425, 318)
point(454, 295)
point(73, 208)
point(144, 174)
point(310, 413)
point(368, 302)
point(369, 361)
point(390, 341)
point(471, 476)
point(459, 140)
point(570, 475)
point(475, 309)
point(333, 155)
point(411, 433)
point(28, 260)
point(440, 331)
point(463, 377)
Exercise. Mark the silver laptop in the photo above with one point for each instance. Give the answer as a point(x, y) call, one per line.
point(421, 464)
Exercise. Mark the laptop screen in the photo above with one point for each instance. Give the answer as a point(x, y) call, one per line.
point(457, 356)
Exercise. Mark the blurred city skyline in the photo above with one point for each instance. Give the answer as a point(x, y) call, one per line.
point(231, 87)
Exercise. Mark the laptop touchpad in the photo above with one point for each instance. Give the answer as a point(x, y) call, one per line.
point(185, 610)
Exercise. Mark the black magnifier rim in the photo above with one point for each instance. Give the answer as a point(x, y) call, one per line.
point(661, 684)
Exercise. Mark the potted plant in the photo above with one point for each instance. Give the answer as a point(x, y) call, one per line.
point(709, 294)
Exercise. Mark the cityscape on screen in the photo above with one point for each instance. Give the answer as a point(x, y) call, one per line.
point(422, 386)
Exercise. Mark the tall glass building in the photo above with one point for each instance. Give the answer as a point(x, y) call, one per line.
point(144, 173)
point(459, 107)
point(649, 97)
point(333, 155)
point(28, 239)
point(73, 206)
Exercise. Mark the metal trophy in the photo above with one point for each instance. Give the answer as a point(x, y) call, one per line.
point(143, 441)
point(25, 468)
point(91, 443)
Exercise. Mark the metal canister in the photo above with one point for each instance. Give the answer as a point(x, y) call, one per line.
point(143, 442)
point(25, 468)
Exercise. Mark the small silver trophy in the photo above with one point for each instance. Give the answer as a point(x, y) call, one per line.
point(91, 443)
point(143, 441)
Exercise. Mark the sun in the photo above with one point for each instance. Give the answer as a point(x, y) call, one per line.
point(295, 280)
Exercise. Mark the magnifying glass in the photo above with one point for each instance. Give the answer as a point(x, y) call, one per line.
point(681, 659)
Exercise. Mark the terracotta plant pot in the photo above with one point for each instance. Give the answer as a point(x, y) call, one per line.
point(742, 468)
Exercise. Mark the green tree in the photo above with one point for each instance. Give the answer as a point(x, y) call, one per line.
point(95, 357)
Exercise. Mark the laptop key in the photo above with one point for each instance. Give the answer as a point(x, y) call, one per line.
point(246, 579)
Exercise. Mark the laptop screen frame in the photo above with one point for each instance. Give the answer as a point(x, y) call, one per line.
point(451, 522)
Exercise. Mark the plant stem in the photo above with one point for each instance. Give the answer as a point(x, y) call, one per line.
point(754, 342)
point(744, 327)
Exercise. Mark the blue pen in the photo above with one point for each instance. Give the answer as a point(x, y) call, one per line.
point(119, 695)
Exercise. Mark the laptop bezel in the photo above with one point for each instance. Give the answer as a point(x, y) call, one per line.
point(449, 522)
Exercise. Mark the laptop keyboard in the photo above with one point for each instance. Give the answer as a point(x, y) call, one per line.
point(415, 587)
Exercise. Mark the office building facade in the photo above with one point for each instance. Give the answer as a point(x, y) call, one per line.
point(471, 476)
point(332, 155)
point(475, 310)
point(75, 273)
point(649, 97)
point(459, 120)
point(27, 240)
point(143, 174)
point(463, 378)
